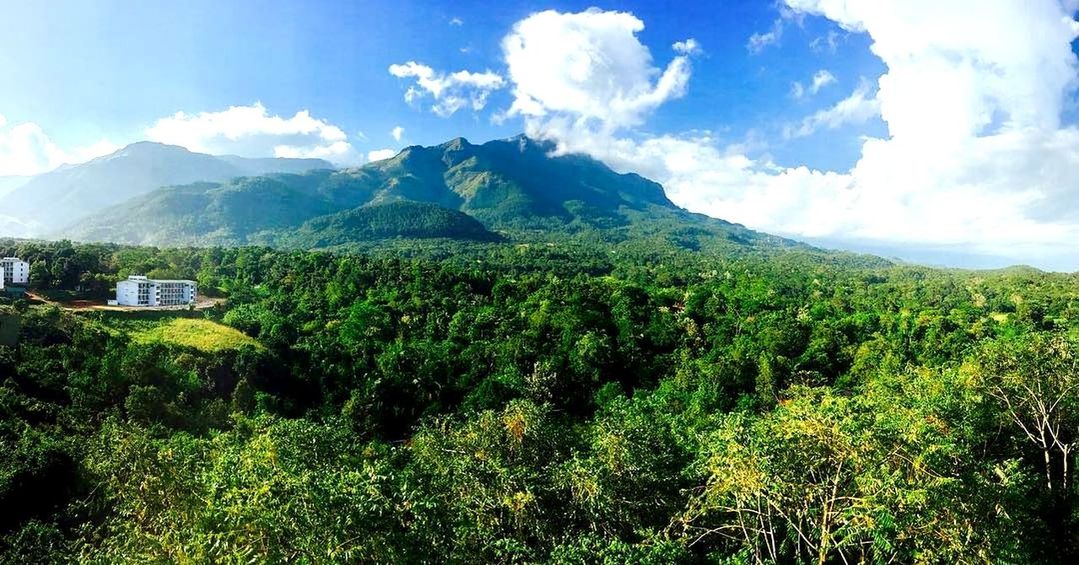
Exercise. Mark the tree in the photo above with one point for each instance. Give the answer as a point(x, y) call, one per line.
point(1036, 382)
point(826, 478)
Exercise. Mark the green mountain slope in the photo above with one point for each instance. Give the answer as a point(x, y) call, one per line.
point(208, 213)
point(513, 186)
point(401, 219)
point(55, 199)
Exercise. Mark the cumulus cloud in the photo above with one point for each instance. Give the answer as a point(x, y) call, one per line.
point(450, 91)
point(380, 154)
point(251, 131)
point(589, 67)
point(972, 97)
point(975, 158)
point(25, 149)
point(397, 132)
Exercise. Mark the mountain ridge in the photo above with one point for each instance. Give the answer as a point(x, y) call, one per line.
point(52, 200)
point(516, 189)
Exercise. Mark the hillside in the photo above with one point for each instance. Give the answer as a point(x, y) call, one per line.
point(208, 213)
point(513, 186)
point(55, 199)
point(401, 219)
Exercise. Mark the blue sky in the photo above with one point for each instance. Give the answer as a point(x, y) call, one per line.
point(106, 69)
point(938, 130)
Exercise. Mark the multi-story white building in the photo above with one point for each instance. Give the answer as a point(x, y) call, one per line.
point(16, 271)
point(141, 291)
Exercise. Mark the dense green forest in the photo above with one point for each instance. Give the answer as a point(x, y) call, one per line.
point(452, 402)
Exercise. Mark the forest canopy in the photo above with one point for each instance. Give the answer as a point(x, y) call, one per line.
point(539, 403)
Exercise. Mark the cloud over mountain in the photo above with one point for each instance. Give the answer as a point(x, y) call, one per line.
point(25, 149)
point(589, 68)
point(973, 108)
point(251, 131)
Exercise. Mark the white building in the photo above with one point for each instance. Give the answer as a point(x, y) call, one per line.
point(142, 291)
point(16, 271)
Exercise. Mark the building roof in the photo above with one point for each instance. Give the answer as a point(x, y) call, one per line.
point(140, 278)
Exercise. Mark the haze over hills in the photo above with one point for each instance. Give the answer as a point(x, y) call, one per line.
point(512, 185)
point(49, 201)
point(10, 183)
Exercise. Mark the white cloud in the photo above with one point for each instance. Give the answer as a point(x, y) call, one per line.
point(251, 131)
point(688, 47)
point(826, 43)
point(758, 41)
point(451, 91)
point(25, 149)
point(397, 132)
point(857, 108)
point(976, 157)
point(972, 97)
point(820, 79)
point(380, 154)
point(589, 67)
point(455, 21)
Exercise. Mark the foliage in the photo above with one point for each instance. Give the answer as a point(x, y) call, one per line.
point(570, 401)
point(395, 219)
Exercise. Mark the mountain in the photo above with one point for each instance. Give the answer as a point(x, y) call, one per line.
point(515, 186)
point(512, 183)
point(55, 199)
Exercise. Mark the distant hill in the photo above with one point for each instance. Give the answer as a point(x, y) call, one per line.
point(513, 186)
point(56, 199)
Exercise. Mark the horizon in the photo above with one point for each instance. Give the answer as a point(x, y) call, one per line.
point(890, 129)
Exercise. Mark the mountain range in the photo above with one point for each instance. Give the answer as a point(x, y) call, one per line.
point(53, 200)
point(513, 188)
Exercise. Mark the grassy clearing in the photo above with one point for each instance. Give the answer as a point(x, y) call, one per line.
point(200, 334)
